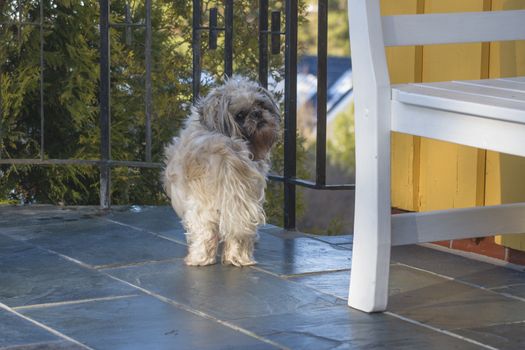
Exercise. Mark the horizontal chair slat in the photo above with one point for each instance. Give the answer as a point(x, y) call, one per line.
point(432, 96)
point(441, 225)
point(444, 28)
point(460, 128)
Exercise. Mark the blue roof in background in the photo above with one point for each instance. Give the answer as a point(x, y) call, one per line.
point(339, 75)
point(336, 67)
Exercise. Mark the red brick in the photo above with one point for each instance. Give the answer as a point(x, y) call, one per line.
point(516, 256)
point(443, 243)
point(484, 246)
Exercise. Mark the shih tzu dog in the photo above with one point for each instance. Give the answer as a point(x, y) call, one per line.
point(216, 169)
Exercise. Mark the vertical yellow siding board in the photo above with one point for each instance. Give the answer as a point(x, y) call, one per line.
point(512, 189)
point(482, 154)
point(404, 65)
point(402, 171)
point(418, 78)
point(505, 181)
point(481, 177)
point(417, 173)
point(449, 173)
point(492, 179)
point(492, 182)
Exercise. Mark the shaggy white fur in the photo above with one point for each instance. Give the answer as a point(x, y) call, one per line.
point(216, 171)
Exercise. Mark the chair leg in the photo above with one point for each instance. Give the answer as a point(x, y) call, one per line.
point(372, 231)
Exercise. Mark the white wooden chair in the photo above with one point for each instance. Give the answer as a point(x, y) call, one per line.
point(487, 114)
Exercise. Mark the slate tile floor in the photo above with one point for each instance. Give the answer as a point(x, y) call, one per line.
point(72, 278)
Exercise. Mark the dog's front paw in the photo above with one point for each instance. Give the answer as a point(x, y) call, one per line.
point(238, 252)
point(192, 260)
point(238, 261)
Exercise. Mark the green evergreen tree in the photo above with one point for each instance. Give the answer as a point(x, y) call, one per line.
point(71, 88)
point(338, 35)
point(341, 143)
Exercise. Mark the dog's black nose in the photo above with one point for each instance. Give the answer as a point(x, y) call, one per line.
point(257, 115)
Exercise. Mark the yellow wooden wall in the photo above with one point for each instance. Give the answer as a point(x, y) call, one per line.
point(432, 175)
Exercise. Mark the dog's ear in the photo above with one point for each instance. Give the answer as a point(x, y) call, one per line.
point(271, 99)
point(213, 111)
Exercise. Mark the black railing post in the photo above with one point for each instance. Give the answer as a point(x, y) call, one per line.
point(148, 97)
point(1, 114)
point(196, 49)
point(19, 11)
point(128, 19)
point(228, 38)
point(263, 43)
point(276, 32)
point(41, 59)
point(290, 112)
point(212, 29)
point(322, 53)
point(105, 116)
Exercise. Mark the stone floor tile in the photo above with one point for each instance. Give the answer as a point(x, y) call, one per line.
point(339, 327)
point(30, 275)
point(163, 220)
point(280, 232)
point(55, 345)
point(17, 216)
point(448, 304)
point(286, 256)
point(28, 232)
point(224, 292)
point(100, 243)
point(500, 336)
point(402, 280)
point(339, 239)
point(295, 296)
point(14, 331)
point(141, 323)
point(467, 270)
point(333, 283)
point(157, 219)
point(430, 299)
point(8, 243)
point(517, 290)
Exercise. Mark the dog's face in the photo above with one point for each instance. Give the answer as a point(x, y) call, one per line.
point(241, 108)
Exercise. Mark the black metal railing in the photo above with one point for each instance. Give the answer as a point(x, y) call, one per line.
point(289, 176)
point(19, 23)
point(105, 163)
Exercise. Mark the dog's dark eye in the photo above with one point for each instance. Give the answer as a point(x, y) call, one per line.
point(240, 116)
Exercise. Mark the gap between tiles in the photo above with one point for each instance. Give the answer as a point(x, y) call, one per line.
point(43, 326)
point(473, 285)
point(73, 302)
point(439, 330)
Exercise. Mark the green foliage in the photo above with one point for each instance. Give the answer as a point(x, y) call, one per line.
point(275, 191)
point(338, 34)
point(71, 89)
point(341, 142)
point(334, 228)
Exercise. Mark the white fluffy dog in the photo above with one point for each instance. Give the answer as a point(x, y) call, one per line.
point(216, 171)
